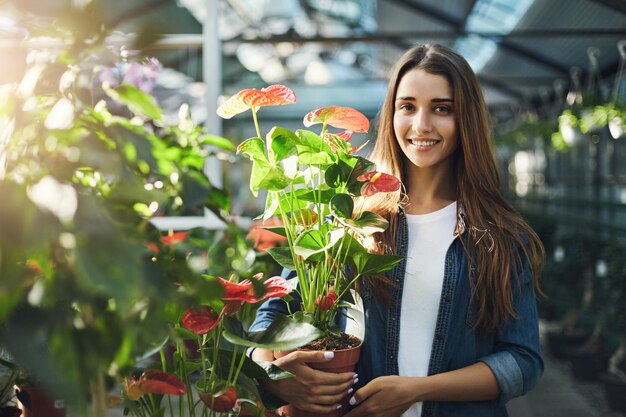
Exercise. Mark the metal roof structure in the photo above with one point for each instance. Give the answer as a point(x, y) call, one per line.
point(526, 53)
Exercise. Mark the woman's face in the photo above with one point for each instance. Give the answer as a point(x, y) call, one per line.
point(424, 121)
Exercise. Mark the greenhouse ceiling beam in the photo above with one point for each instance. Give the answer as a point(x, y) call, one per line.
point(442, 34)
point(503, 42)
point(178, 41)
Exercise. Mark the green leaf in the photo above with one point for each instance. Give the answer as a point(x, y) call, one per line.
point(282, 143)
point(368, 224)
point(274, 179)
point(283, 256)
point(253, 148)
point(285, 333)
point(342, 206)
point(312, 150)
point(279, 230)
point(218, 141)
point(371, 264)
point(136, 100)
point(315, 242)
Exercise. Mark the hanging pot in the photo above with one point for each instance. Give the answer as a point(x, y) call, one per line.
point(571, 134)
point(617, 127)
point(344, 360)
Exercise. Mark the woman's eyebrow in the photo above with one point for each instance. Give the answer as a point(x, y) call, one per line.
point(435, 100)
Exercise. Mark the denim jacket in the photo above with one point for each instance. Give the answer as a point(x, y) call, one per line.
point(512, 352)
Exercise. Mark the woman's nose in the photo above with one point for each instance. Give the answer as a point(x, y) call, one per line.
point(422, 122)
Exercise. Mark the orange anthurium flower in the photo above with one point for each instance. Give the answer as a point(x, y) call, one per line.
point(265, 239)
point(175, 237)
point(378, 182)
point(339, 117)
point(273, 95)
point(168, 240)
point(154, 381)
point(221, 401)
point(200, 320)
point(326, 302)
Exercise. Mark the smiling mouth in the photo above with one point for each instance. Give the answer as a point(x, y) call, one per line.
point(423, 142)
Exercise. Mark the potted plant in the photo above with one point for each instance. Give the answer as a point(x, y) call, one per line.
point(315, 183)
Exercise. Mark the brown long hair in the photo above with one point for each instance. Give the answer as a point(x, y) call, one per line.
point(496, 238)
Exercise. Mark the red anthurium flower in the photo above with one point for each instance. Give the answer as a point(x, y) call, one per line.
point(244, 290)
point(154, 381)
point(274, 95)
point(378, 182)
point(221, 401)
point(200, 320)
point(339, 117)
point(326, 302)
point(276, 287)
point(345, 135)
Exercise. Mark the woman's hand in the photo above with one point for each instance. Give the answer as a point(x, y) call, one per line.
point(311, 390)
point(386, 396)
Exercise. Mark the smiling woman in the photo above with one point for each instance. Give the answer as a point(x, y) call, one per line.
point(452, 329)
point(425, 122)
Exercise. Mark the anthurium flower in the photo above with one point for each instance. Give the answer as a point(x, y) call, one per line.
point(265, 239)
point(154, 381)
point(273, 95)
point(200, 320)
point(221, 401)
point(326, 302)
point(378, 182)
point(169, 240)
point(339, 117)
point(244, 290)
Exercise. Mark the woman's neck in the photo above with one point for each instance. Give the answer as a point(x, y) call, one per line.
point(430, 190)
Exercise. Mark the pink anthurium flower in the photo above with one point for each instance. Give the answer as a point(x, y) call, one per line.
point(154, 381)
point(378, 182)
point(326, 302)
point(339, 117)
point(200, 320)
point(221, 401)
point(273, 95)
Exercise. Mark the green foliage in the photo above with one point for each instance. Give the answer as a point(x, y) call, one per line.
point(84, 168)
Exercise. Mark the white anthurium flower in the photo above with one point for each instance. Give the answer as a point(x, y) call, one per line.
point(60, 199)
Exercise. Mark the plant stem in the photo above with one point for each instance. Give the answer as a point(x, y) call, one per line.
point(256, 122)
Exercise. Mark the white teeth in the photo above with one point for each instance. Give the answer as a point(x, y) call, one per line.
point(422, 142)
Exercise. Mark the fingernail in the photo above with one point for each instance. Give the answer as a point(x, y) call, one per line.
point(329, 355)
point(350, 391)
point(356, 380)
point(352, 401)
point(338, 407)
point(355, 376)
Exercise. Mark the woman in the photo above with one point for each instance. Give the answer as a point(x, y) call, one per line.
point(456, 330)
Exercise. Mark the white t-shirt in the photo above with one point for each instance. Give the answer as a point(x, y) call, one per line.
point(430, 236)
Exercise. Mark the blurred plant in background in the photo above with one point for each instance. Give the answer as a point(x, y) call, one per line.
point(89, 285)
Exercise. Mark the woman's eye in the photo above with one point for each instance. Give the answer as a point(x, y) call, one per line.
point(443, 109)
point(406, 107)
